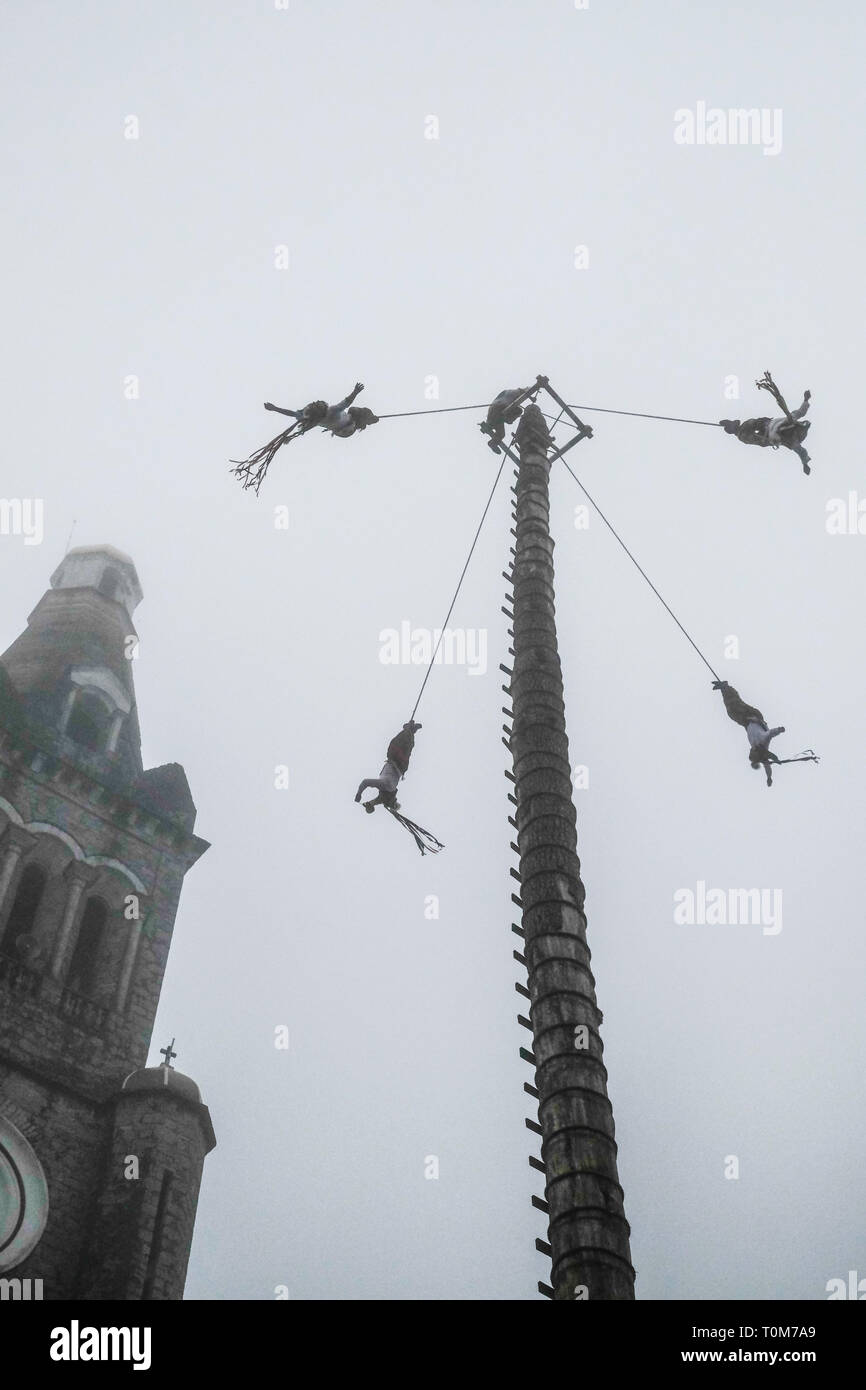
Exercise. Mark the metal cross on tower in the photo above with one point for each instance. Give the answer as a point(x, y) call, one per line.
point(588, 1235)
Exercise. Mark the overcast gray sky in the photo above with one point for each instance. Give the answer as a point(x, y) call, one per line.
point(410, 258)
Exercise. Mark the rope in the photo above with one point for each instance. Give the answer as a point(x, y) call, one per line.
point(641, 415)
point(637, 566)
point(598, 409)
point(462, 577)
point(437, 410)
point(556, 419)
point(446, 409)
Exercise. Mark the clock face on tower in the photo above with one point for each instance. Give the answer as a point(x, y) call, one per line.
point(23, 1197)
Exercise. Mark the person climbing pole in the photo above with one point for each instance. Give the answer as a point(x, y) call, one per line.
point(343, 420)
point(395, 768)
point(501, 412)
point(788, 430)
point(758, 732)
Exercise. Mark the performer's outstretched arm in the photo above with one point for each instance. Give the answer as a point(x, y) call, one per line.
point(344, 404)
point(295, 414)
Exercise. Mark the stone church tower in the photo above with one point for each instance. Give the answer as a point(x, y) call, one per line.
point(100, 1156)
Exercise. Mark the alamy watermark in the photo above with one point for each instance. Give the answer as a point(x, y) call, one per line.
point(22, 516)
point(715, 125)
point(846, 517)
point(20, 1290)
point(416, 646)
point(77, 1343)
point(734, 907)
point(854, 1289)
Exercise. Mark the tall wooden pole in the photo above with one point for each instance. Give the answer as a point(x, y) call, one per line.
point(588, 1232)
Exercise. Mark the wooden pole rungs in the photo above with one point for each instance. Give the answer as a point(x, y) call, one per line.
point(571, 1145)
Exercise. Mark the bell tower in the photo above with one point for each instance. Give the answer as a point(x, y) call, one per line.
point(100, 1156)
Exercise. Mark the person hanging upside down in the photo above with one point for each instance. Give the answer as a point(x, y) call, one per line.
point(788, 430)
point(342, 419)
point(396, 767)
point(758, 732)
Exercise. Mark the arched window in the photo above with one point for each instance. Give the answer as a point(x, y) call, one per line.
point(110, 582)
point(84, 966)
point(90, 721)
point(22, 916)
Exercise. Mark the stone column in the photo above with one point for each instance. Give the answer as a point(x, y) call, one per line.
point(588, 1232)
point(67, 708)
point(114, 732)
point(16, 842)
point(132, 943)
point(79, 876)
